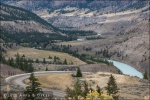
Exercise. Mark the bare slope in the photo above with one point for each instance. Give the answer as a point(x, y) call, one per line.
point(8, 70)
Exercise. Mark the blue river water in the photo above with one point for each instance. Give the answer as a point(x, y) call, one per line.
point(127, 69)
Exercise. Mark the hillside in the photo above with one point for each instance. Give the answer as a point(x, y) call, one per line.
point(117, 21)
point(129, 87)
point(130, 46)
point(19, 15)
point(34, 54)
point(8, 70)
point(86, 15)
point(22, 26)
point(89, 35)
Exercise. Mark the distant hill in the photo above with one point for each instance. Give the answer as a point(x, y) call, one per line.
point(79, 14)
point(11, 13)
point(21, 26)
point(106, 6)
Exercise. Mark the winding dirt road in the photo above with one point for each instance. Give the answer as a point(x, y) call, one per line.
point(17, 80)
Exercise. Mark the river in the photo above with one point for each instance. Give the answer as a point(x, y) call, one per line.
point(127, 69)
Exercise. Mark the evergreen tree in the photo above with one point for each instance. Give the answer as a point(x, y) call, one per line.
point(44, 61)
point(79, 73)
point(91, 89)
point(12, 61)
point(30, 68)
point(65, 62)
point(17, 60)
point(2, 58)
point(71, 63)
point(46, 69)
point(112, 88)
point(55, 59)
point(86, 89)
point(76, 91)
point(98, 89)
point(33, 89)
point(23, 55)
point(145, 75)
point(9, 62)
point(37, 60)
point(26, 65)
point(50, 57)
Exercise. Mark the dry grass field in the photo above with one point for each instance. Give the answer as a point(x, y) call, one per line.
point(40, 54)
point(55, 81)
point(130, 87)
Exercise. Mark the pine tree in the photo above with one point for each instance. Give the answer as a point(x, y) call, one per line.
point(145, 75)
point(37, 60)
point(98, 89)
point(2, 58)
point(17, 60)
point(50, 57)
point(112, 88)
point(71, 63)
point(90, 89)
point(55, 59)
point(79, 73)
point(23, 55)
point(30, 67)
point(86, 89)
point(76, 91)
point(44, 61)
point(33, 89)
point(46, 69)
point(65, 62)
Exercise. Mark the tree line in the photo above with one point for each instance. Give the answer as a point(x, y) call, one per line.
point(19, 62)
point(84, 57)
point(56, 60)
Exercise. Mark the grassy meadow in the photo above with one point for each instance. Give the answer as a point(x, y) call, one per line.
point(40, 54)
point(55, 81)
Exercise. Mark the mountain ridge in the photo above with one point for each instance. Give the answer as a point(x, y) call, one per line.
point(85, 14)
point(21, 26)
